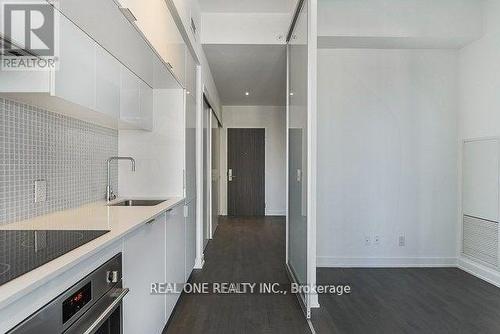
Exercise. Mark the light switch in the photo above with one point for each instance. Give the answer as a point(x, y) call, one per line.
point(40, 191)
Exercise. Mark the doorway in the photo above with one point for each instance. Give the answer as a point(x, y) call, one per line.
point(246, 171)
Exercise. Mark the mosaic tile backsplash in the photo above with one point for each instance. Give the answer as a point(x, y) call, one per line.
point(69, 154)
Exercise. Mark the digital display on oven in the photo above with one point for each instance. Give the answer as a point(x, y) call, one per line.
point(76, 302)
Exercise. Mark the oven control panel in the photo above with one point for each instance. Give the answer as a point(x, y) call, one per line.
point(77, 301)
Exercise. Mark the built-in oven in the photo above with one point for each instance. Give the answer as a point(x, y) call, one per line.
point(93, 305)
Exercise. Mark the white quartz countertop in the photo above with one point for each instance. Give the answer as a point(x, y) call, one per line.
point(119, 220)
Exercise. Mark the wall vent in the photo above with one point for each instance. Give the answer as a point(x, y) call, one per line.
point(480, 239)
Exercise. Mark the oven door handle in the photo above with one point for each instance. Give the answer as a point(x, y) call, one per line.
point(107, 312)
point(97, 314)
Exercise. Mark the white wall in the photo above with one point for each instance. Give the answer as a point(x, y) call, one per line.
point(387, 157)
point(159, 154)
point(273, 119)
point(480, 80)
point(479, 77)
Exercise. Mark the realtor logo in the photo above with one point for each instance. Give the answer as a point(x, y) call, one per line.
point(28, 36)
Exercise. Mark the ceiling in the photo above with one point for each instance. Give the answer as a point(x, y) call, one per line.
point(259, 70)
point(247, 6)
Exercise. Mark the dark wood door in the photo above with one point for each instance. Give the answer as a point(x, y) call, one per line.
point(246, 163)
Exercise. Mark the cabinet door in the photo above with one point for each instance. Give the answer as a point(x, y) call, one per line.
point(143, 264)
point(156, 23)
point(162, 78)
point(190, 221)
point(175, 253)
point(130, 97)
point(75, 79)
point(184, 10)
point(190, 169)
point(107, 83)
point(146, 106)
point(104, 21)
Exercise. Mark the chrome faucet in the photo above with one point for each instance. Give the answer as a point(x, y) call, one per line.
point(110, 195)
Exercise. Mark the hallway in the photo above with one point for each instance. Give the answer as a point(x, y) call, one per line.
point(249, 249)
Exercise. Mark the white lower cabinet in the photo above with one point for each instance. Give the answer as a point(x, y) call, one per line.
point(175, 253)
point(144, 262)
point(190, 223)
point(154, 253)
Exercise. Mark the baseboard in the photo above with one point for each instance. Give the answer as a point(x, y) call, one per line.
point(384, 262)
point(275, 212)
point(314, 300)
point(481, 271)
point(198, 263)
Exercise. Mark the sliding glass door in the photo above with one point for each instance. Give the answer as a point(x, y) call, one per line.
point(299, 245)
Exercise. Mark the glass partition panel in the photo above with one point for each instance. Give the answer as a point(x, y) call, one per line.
point(297, 150)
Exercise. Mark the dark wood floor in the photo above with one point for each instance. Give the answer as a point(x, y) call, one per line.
point(427, 300)
point(243, 250)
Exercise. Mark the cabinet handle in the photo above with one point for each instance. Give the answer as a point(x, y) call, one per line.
point(150, 221)
point(128, 14)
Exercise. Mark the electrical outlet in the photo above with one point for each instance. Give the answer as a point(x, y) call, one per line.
point(402, 241)
point(368, 241)
point(40, 191)
point(376, 240)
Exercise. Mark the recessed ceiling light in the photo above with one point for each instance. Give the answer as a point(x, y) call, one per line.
point(247, 93)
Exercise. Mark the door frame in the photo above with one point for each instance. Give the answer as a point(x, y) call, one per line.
point(202, 97)
point(227, 163)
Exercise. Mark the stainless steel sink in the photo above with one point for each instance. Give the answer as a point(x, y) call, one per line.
point(139, 202)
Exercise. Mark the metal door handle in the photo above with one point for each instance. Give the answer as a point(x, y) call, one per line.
point(230, 175)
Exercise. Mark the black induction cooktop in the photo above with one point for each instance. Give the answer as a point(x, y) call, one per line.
point(23, 251)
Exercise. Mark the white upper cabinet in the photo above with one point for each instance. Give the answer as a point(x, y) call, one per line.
point(108, 84)
point(184, 10)
point(103, 20)
point(136, 101)
point(189, 10)
point(89, 83)
point(162, 78)
point(130, 97)
point(75, 80)
point(146, 105)
point(155, 21)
